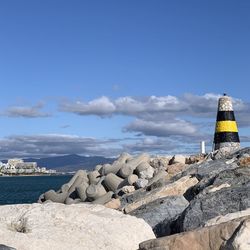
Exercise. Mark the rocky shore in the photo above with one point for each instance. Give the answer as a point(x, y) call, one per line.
point(194, 202)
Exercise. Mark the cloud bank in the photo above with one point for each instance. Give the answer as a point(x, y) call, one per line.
point(160, 116)
point(162, 124)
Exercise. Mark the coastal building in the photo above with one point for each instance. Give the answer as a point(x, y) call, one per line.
point(17, 166)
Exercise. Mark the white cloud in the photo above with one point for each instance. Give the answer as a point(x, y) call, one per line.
point(162, 115)
point(100, 107)
point(162, 129)
point(26, 111)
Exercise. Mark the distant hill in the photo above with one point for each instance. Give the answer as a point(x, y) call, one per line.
point(69, 163)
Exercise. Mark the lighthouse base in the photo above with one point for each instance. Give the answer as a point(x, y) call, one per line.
point(226, 148)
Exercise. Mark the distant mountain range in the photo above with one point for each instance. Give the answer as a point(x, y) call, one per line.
point(69, 163)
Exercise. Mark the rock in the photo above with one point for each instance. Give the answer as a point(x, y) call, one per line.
point(180, 159)
point(128, 189)
point(159, 175)
point(217, 188)
point(4, 247)
point(215, 237)
point(60, 227)
point(159, 162)
point(172, 189)
point(209, 205)
point(176, 168)
point(144, 170)
point(177, 159)
point(114, 204)
point(141, 183)
point(160, 213)
point(195, 158)
point(228, 217)
point(245, 162)
point(226, 178)
point(244, 152)
point(207, 169)
point(242, 240)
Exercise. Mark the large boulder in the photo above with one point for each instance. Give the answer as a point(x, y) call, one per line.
point(233, 235)
point(137, 199)
point(208, 205)
point(227, 178)
point(79, 226)
point(160, 213)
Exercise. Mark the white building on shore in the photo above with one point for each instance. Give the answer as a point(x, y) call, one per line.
point(18, 166)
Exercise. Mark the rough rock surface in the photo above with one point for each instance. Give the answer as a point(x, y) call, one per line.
point(230, 235)
point(242, 239)
point(176, 188)
point(4, 247)
point(222, 202)
point(79, 226)
point(228, 217)
point(160, 213)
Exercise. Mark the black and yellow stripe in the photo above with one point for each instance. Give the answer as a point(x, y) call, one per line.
point(225, 116)
point(226, 137)
point(226, 128)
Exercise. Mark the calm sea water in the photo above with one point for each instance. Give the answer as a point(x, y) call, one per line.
point(27, 189)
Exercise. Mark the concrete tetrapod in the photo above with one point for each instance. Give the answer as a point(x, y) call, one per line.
point(94, 177)
point(112, 182)
point(70, 201)
point(78, 181)
point(93, 191)
point(82, 173)
point(55, 197)
point(64, 188)
point(81, 191)
point(104, 199)
point(129, 167)
point(98, 167)
point(115, 167)
point(129, 181)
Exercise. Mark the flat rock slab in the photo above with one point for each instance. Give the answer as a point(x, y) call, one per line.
point(78, 226)
point(230, 235)
point(178, 187)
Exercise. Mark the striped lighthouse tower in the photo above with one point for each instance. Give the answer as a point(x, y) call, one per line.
point(226, 135)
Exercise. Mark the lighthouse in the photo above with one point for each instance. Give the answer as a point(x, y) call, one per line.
point(226, 135)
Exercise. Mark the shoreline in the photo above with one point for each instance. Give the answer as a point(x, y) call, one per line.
point(21, 175)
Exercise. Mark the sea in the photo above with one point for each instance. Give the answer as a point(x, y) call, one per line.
point(27, 189)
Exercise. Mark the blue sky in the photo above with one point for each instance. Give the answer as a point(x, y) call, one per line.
point(102, 77)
